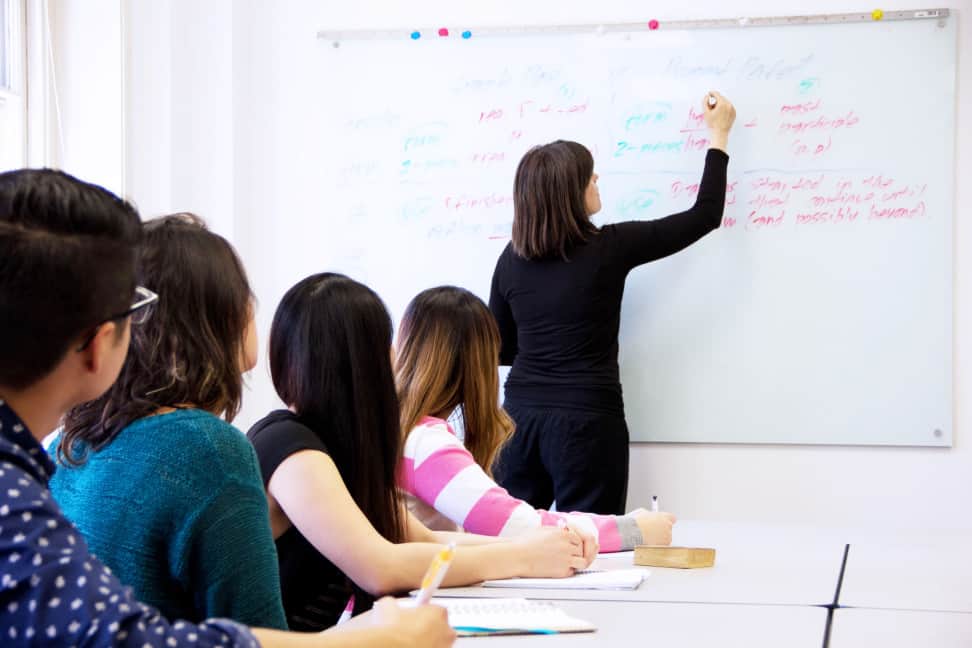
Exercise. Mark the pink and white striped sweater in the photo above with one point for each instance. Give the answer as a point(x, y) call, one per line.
point(445, 489)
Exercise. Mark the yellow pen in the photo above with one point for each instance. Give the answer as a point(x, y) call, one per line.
point(436, 572)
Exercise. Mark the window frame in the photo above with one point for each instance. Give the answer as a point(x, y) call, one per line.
point(13, 97)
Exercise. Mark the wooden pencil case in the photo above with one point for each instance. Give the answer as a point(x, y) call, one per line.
point(680, 557)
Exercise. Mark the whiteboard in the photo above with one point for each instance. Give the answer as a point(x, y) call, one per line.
point(820, 313)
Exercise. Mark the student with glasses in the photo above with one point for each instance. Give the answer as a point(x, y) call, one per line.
point(137, 313)
point(67, 276)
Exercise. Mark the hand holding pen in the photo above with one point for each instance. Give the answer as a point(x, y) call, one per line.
point(655, 525)
point(435, 573)
point(426, 626)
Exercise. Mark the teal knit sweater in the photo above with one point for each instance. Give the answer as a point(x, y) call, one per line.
point(174, 505)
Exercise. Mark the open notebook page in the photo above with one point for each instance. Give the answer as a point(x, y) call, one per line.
point(476, 616)
point(612, 579)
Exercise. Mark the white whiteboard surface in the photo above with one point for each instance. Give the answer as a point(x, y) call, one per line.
point(820, 313)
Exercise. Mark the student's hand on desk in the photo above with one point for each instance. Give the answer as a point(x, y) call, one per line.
point(426, 625)
point(591, 545)
point(552, 552)
point(656, 528)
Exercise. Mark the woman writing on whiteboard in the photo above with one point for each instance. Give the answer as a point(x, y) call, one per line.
point(556, 295)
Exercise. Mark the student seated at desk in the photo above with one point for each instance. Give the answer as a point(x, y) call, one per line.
point(329, 465)
point(165, 491)
point(67, 297)
point(448, 354)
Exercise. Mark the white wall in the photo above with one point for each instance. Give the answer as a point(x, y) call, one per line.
point(180, 143)
point(205, 116)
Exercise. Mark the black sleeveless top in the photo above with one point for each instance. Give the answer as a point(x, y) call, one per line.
point(315, 591)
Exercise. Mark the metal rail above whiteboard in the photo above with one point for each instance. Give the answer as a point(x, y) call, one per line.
point(464, 32)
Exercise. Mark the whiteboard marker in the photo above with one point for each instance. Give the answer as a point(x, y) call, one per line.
point(712, 100)
point(654, 503)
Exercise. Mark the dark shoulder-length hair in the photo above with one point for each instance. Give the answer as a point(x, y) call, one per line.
point(550, 216)
point(330, 359)
point(190, 350)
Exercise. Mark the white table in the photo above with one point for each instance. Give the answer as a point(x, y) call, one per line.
point(934, 574)
point(852, 628)
point(755, 564)
point(679, 624)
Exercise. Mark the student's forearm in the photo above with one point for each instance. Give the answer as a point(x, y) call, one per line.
point(473, 564)
point(404, 565)
point(461, 538)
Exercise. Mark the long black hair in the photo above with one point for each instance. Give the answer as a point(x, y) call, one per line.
point(330, 359)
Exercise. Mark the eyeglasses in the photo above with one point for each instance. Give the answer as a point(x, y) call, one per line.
point(138, 311)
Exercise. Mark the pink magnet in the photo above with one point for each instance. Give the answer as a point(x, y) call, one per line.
point(443, 31)
point(652, 24)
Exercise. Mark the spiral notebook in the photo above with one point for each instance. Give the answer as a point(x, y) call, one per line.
point(489, 616)
point(611, 579)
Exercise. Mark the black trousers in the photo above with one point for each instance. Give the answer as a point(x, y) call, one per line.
point(577, 458)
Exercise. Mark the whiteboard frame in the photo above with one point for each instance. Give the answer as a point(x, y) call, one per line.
point(940, 15)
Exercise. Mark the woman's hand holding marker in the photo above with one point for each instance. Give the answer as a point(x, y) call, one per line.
point(719, 114)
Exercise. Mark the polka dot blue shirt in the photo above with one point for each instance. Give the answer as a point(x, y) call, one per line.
point(54, 592)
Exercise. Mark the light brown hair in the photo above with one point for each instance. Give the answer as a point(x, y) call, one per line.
point(549, 212)
point(448, 357)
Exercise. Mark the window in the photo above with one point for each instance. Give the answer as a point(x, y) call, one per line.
point(13, 134)
point(4, 45)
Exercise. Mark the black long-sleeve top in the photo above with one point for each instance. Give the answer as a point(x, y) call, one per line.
point(559, 320)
